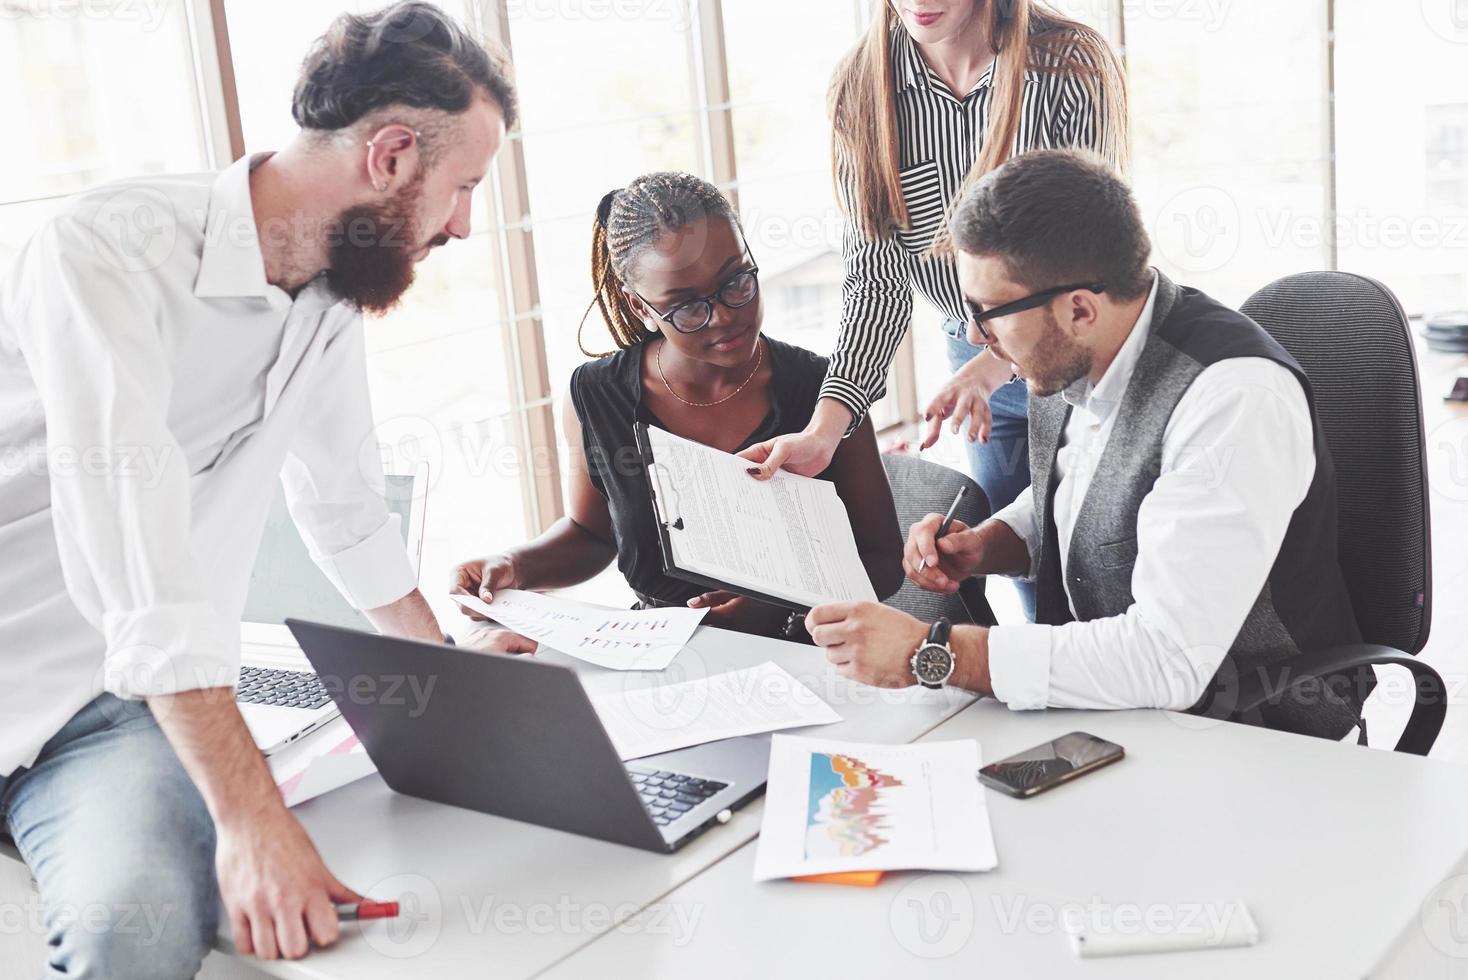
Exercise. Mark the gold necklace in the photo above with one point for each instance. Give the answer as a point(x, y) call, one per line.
point(759, 359)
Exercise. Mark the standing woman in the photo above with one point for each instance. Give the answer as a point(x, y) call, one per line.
point(939, 93)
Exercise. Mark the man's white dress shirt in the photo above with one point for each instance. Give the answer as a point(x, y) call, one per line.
point(153, 387)
point(1238, 456)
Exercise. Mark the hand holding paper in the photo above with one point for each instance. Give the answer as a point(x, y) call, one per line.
point(787, 539)
point(643, 639)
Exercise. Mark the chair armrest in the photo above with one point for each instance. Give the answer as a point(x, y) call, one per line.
point(1428, 711)
point(971, 591)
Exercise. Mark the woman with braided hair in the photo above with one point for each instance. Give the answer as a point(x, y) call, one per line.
point(678, 288)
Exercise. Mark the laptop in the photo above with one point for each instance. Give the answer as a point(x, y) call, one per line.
point(279, 696)
point(517, 737)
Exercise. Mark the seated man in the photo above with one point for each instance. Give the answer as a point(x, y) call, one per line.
point(1181, 525)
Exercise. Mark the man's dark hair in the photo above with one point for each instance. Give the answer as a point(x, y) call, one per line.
point(1058, 217)
point(410, 54)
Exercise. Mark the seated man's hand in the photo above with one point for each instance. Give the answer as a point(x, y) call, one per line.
point(938, 565)
point(867, 641)
point(483, 577)
point(497, 640)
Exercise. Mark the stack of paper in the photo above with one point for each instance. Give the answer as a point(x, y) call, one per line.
point(786, 538)
point(319, 762)
point(834, 806)
point(648, 720)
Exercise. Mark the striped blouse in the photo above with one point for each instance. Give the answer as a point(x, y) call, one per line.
point(941, 136)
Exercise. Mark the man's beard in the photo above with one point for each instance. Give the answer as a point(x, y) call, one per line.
point(372, 250)
point(1064, 361)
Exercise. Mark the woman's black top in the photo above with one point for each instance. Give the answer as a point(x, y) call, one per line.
point(607, 395)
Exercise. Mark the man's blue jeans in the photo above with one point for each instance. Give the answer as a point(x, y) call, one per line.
point(1002, 465)
point(121, 846)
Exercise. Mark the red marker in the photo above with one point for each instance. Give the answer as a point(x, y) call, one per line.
point(367, 910)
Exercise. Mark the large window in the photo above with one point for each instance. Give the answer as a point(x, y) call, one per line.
point(780, 60)
point(1230, 124)
point(1402, 149)
point(89, 93)
point(1262, 145)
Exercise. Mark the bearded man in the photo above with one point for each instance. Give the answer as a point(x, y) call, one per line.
point(209, 326)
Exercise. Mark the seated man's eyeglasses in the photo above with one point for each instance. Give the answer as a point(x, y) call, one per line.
point(1044, 296)
point(738, 290)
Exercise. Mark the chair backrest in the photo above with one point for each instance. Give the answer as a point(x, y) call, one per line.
point(1353, 340)
point(920, 488)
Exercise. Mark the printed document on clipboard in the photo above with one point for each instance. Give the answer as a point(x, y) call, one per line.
point(786, 540)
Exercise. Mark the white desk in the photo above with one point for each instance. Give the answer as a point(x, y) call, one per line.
point(1336, 849)
point(496, 897)
point(1333, 847)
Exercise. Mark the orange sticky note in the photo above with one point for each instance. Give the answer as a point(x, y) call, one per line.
point(866, 879)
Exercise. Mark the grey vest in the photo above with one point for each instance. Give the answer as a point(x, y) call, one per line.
point(1303, 604)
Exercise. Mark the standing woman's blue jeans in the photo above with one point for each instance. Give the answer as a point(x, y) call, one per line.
point(1002, 465)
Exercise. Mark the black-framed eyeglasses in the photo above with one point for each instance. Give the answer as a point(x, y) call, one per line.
point(1020, 305)
point(693, 315)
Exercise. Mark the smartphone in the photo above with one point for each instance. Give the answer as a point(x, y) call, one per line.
point(1057, 761)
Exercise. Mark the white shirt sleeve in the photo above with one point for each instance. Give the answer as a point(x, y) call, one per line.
point(94, 346)
point(334, 485)
point(1020, 516)
point(1238, 458)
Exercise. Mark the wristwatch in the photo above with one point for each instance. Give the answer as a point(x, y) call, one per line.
point(933, 662)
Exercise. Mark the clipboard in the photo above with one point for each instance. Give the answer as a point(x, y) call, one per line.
point(669, 522)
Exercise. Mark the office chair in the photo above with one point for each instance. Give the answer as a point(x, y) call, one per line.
point(920, 488)
point(1350, 335)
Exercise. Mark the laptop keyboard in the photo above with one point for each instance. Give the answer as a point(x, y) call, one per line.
point(669, 795)
point(281, 688)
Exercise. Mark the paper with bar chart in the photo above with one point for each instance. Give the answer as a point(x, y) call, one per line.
point(833, 806)
point(618, 639)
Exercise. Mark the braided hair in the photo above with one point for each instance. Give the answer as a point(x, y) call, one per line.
point(628, 222)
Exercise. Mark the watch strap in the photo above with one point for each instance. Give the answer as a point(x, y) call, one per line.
point(938, 635)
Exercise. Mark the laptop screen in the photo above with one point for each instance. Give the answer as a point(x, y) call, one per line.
point(286, 582)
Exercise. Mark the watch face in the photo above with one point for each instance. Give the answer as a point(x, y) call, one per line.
point(932, 664)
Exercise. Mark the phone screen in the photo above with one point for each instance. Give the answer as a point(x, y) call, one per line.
point(1034, 770)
